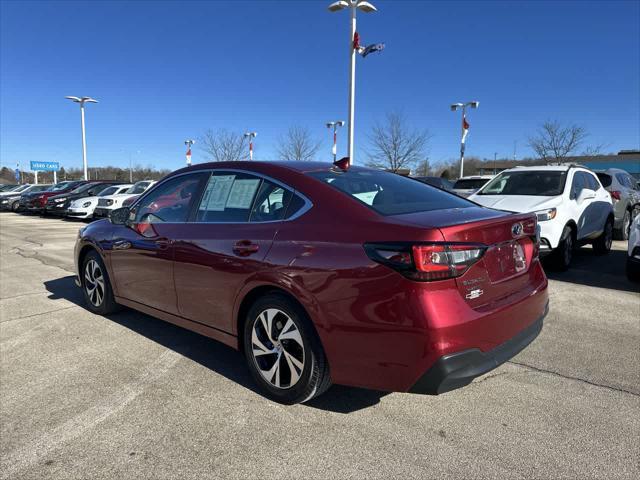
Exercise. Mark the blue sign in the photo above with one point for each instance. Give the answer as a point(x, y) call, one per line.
point(45, 166)
point(17, 175)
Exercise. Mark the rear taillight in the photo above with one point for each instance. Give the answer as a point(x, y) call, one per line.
point(615, 195)
point(426, 262)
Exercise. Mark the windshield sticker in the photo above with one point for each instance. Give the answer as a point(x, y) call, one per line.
point(217, 192)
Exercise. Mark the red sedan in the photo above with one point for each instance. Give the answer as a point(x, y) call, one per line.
point(323, 275)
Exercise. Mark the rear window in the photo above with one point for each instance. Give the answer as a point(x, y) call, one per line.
point(605, 179)
point(470, 183)
point(388, 193)
point(549, 183)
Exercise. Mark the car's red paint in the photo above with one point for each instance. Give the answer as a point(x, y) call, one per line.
point(378, 328)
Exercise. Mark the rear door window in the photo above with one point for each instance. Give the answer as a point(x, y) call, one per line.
point(228, 198)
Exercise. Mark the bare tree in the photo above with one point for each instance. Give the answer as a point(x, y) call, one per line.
point(297, 144)
point(394, 146)
point(224, 146)
point(555, 141)
point(423, 168)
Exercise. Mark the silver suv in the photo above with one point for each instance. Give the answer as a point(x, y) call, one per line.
point(625, 195)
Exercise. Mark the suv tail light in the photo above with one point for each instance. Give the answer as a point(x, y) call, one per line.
point(615, 195)
point(426, 262)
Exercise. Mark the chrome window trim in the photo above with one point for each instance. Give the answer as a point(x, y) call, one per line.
point(305, 208)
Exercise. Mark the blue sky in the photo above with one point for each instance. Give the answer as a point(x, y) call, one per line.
point(167, 71)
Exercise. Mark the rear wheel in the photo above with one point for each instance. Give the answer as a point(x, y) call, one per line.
point(602, 244)
point(96, 285)
point(562, 255)
point(283, 351)
point(623, 233)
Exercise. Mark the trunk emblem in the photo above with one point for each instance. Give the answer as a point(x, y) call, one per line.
point(516, 229)
point(474, 294)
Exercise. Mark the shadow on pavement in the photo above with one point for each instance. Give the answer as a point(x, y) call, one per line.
point(604, 271)
point(210, 353)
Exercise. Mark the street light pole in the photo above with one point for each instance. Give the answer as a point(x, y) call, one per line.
point(82, 101)
point(367, 8)
point(465, 128)
point(335, 125)
point(251, 136)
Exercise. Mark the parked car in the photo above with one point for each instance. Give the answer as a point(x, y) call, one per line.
point(12, 202)
point(8, 186)
point(571, 205)
point(58, 204)
point(625, 195)
point(438, 182)
point(633, 251)
point(322, 275)
point(466, 186)
point(84, 207)
point(14, 190)
point(109, 203)
point(36, 202)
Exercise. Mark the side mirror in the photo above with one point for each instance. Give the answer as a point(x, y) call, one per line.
point(586, 194)
point(120, 216)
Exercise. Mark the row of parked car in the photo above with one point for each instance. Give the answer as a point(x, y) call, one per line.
point(574, 206)
point(75, 198)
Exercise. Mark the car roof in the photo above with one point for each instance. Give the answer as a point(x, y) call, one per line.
point(301, 167)
point(477, 177)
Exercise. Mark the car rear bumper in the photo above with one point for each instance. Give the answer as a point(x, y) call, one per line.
point(459, 369)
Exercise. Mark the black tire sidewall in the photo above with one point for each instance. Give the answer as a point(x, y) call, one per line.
point(310, 378)
point(108, 304)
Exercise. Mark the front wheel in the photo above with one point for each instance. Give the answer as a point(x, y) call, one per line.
point(283, 351)
point(96, 286)
point(563, 254)
point(15, 206)
point(602, 244)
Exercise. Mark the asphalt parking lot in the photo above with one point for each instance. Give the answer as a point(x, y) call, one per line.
point(129, 396)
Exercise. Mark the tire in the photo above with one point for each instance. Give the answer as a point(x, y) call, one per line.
point(15, 206)
point(623, 232)
point(563, 254)
point(633, 271)
point(96, 285)
point(291, 370)
point(602, 244)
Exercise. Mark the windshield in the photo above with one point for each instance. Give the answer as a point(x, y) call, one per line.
point(20, 188)
point(138, 188)
point(62, 186)
point(389, 193)
point(470, 183)
point(108, 191)
point(39, 188)
point(537, 183)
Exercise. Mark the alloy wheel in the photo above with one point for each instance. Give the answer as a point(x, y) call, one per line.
point(277, 348)
point(94, 282)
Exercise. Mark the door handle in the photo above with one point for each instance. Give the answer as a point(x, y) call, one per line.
point(121, 245)
point(245, 248)
point(163, 243)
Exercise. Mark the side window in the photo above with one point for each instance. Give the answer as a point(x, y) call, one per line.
point(577, 185)
point(271, 203)
point(228, 198)
point(592, 182)
point(296, 204)
point(171, 201)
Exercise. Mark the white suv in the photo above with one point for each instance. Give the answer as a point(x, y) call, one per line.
point(572, 206)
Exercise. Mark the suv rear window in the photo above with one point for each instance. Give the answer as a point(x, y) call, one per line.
point(605, 179)
point(389, 193)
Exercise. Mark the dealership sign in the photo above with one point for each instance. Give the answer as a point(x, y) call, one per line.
point(45, 166)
